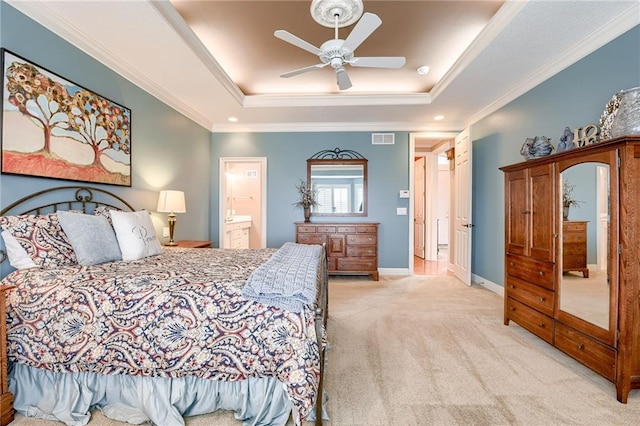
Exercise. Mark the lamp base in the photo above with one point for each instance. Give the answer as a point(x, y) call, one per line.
point(171, 244)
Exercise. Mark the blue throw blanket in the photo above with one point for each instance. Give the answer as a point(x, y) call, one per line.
point(288, 279)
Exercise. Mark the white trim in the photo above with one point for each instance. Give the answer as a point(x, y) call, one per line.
point(489, 285)
point(394, 271)
point(287, 100)
point(398, 126)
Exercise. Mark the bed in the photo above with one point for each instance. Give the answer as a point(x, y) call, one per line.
point(168, 333)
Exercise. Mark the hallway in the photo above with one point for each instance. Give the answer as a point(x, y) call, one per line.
point(429, 267)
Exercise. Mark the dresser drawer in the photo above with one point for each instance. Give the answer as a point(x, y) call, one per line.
point(362, 251)
point(346, 229)
point(306, 228)
point(362, 239)
point(537, 297)
point(357, 264)
point(538, 323)
point(532, 270)
point(370, 229)
point(326, 229)
point(311, 238)
point(595, 355)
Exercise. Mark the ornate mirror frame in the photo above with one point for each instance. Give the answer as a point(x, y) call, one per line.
point(344, 162)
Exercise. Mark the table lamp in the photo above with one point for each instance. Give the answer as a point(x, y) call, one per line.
point(171, 202)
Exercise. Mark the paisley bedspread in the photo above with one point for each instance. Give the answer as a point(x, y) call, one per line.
point(177, 314)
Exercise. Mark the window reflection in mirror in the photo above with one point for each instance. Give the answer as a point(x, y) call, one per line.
point(584, 286)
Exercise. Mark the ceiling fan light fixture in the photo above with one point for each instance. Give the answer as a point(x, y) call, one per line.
point(340, 13)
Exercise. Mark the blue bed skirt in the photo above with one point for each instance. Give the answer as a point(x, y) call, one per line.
point(69, 397)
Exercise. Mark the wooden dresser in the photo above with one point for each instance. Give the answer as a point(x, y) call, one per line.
point(352, 247)
point(574, 247)
point(594, 318)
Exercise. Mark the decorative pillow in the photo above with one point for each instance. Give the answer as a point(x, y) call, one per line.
point(92, 238)
point(136, 235)
point(42, 238)
point(18, 257)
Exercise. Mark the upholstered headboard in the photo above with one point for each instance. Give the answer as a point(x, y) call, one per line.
point(64, 198)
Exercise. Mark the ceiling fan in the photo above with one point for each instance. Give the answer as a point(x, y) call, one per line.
point(337, 52)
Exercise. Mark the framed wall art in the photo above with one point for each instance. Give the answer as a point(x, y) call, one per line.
point(54, 128)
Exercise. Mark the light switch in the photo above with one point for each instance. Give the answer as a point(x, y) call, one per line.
point(404, 193)
point(401, 211)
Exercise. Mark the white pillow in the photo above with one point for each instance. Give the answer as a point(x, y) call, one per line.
point(18, 257)
point(136, 235)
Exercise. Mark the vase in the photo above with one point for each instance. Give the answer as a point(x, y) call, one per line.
point(565, 212)
point(307, 214)
point(622, 115)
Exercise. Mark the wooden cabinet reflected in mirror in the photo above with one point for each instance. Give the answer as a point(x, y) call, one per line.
point(340, 180)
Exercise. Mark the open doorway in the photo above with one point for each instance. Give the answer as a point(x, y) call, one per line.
point(243, 202)
point(431, 182)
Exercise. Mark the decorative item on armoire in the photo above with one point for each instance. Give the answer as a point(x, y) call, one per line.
point(539, 146)
point(307, 199)
point(566, 140)
point(621, 116)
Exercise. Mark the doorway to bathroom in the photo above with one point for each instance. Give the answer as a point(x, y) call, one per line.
point(243, 183)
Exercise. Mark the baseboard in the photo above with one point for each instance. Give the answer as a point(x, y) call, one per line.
point(489, 285)
point(393, 271)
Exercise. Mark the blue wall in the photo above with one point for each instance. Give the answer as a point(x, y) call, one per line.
point(169, 151)
point(574, 97)
point(287, 153)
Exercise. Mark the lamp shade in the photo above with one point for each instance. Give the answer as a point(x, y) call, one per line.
point(171, 202)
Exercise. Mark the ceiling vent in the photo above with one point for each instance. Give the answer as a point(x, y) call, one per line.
point(383, 138)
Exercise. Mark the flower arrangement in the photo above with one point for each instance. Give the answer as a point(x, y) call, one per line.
point(567, 194)
point(307, 195)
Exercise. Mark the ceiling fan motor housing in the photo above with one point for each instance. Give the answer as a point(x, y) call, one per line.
point(334, 54)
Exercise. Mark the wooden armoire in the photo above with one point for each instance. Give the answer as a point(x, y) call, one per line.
point(593, 315)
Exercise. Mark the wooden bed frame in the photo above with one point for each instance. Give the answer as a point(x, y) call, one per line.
point(84, 198)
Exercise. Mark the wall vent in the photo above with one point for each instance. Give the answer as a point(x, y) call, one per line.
point(383, 138)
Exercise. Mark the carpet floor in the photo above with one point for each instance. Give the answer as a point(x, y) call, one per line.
point(428, 350)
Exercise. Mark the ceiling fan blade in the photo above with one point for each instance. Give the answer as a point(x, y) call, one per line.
point(379, 62)
point(297, 41)
point(302, 70)
point(344, 82)
point(363, 29)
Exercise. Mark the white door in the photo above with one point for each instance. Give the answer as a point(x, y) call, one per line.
point(418, 208)
point(461, 250)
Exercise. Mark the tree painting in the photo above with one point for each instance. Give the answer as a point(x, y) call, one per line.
point(54, 128)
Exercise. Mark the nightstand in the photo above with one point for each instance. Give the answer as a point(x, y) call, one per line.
point(194, 244)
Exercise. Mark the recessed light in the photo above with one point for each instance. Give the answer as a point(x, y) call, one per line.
point(438, 117)
point(232, 119)
point(423, 70)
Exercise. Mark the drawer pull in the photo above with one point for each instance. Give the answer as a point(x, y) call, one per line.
point(541, 325)
point(512, 286)
point(541, 273)
point(542, 299)
point(526, 212)
point(512, 308)
point(510, 263)
point(580, 346)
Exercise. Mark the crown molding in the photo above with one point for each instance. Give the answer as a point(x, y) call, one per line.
point(625, 21)
point(267, 101)
point(440, 128)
